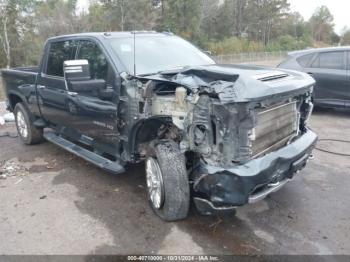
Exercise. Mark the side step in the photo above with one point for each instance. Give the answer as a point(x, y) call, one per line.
point(96, 159)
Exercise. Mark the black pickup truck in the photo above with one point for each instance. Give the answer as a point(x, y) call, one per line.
point(227, 135)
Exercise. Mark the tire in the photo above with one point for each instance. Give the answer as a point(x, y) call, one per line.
point(32, 135)
point(174, 181)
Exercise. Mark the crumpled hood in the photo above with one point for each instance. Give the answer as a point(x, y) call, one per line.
point(239, 83)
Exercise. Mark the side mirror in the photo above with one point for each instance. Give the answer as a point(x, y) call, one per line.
point(78, 78)
point(92, 85)
point(76, 70)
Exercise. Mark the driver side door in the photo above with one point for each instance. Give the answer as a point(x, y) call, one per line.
point(94, 112)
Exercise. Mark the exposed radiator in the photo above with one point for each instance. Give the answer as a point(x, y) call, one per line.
point(275, 126)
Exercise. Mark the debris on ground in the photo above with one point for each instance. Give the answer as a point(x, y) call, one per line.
point(12, 168)
point(19, 181)
point(9, 117)
point(52, 165)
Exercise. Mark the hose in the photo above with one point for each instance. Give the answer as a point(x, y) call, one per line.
point(332, 152)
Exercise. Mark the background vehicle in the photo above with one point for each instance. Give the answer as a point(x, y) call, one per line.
point(330, 67)
point(233, 134)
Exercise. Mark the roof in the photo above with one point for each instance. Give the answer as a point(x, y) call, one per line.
point(313, 50)
point(113, 34)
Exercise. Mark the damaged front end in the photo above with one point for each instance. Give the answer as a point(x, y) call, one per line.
point(244, 128)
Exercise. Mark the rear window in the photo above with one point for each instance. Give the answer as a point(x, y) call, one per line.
point(304, 60)
point(329, 60)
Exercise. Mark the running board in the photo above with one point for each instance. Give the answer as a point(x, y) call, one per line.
point(93, 158)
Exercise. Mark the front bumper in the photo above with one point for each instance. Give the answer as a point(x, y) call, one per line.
point(218, 188)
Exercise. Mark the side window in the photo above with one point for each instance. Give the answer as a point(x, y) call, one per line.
point(304, 60)
point(329, 60)
point(97, 60)
point(58, 53)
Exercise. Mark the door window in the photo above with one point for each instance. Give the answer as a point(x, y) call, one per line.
point(304, 60)
point(329, 60)
point(59, 52)
point(98, 63)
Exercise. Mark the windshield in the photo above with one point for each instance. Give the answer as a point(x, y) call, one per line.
point(157, 53)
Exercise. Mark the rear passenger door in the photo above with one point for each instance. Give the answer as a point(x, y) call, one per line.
point(329, 71)
point(51, 87)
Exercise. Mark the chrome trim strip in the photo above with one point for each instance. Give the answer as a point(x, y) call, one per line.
point(53, 77)
point(271, 188)
point(214, 207)
point(283, 140)
point(274, 108)
point(75, 62)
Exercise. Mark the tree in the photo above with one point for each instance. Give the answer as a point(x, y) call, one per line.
point(345, 37)
point(15, 25)
point(226, 21)
point(5, 39)
point(321, 24)
point(209, 18)
point(183, 17)
point(293, 25)
point(56, 18)
point(265, 17)
point(123, 15)
point(9, 15)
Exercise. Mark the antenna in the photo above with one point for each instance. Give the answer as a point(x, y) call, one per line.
point(134, 51)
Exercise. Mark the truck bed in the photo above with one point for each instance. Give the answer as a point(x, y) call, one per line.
point(19, 81)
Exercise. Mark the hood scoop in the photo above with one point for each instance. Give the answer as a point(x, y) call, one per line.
point(276, 75)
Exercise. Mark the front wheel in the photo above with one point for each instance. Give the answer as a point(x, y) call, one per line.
point(167, 182)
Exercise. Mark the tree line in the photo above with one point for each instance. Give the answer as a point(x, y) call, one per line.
point(220, 26)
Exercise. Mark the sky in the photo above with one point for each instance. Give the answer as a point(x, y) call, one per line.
point(339, 9)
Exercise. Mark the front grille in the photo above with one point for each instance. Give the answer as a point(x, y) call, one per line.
point(275, 126)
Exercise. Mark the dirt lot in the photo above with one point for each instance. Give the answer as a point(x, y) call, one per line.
point(55, 203)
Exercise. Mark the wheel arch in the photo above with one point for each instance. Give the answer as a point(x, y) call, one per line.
point(145, 130)
point(14, 99)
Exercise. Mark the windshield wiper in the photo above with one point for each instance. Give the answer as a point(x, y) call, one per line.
point(148, 74)
point(175, 70)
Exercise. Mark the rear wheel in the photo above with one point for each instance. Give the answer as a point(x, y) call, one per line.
point(167, 182)
point(29, 133)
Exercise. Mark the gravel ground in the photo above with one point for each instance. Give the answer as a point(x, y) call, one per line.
point(55, 203)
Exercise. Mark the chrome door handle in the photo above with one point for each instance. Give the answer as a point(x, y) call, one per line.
point(72, 93)
point(40, 86)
